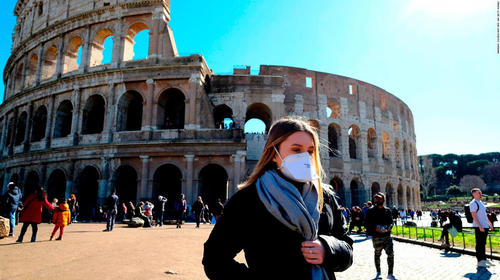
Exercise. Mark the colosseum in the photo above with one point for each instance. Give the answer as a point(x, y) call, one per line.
point(166, 124)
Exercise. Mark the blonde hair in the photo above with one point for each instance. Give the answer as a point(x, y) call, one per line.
point(278, 133)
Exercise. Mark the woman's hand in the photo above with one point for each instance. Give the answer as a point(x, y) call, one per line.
point(313, 251)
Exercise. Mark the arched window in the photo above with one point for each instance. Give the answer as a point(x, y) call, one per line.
point(11, 128)
point(125, 182)
point(167, 181)
point(259, 111)
point(355, 194)
point(21, 128)
point(213, 184)
point(338, 185)
point(31, 70)
point(389, 195)
point(334, 140)
point(32, 183)
point(334, 107)
point(221, 114)
point(64, 115)
point(354, 135)
point(375, 188)
point(400, 197)
point(93, 115)
point(386, 152)
point(171, 109)
point(254, 126)
point(49, 63)
point(372, 143)
point(39, 124)
point(19, 78)
point(136, 42)
point(72, 56)
point(103, 38)
point(87, 186)
point(56, 185)
point(130, 111)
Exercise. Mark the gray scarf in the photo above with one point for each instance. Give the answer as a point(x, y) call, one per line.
point(298, 211)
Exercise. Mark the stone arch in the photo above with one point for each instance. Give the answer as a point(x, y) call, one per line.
point(338, 186)
point(39, 124)
point(355, 193)
point(11, 128)
point(125, 181)
point(49, 63)
point(21, 128)
point(56, 185)
point(167, 181)
point(371, 140)
point(31, 183)
point(87, 188)
point(389, 195)
point(259, 111)
point(400, 196)
point(397, 152)
point(93, 115)
point(171, 109)
point(386, 150)
point(354, 141)
point(97, 49)
point(130, 111)
point(335, 108)
point(375, 189)
point(334, 140)
point(18, 80)
point(213, 182)
point(31, 70)
point(71, 55)
point(64, 119)
point(221, 113)
point(132, 31)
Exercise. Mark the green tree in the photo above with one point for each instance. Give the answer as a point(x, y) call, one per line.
point(453, 191)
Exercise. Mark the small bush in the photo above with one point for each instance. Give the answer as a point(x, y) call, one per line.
point(410, 224)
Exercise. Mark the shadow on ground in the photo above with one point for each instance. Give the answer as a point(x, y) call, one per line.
point(482, 273)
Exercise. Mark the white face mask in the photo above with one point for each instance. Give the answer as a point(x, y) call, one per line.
point(298, 167)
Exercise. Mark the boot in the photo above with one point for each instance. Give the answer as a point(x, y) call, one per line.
point(51, 237)
point(59, 238)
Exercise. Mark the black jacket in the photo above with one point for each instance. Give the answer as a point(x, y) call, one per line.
point(272, 250)
point(456, 221)
point(378, 217)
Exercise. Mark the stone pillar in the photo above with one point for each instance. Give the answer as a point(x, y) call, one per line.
point(190, 191)
point(60, 57)
point(190, 116)
point(39, 64)
point(405, 200)
point(5, 130)
point(85, 60)
point(27, 129)
point(102, 191)
point(110, 115)
point(76, 115)
point(23, 80)
point(148, 122)
point(50, 121)
point(364, 146)
point(236, 174)
point(154, 35)
point(146, 189)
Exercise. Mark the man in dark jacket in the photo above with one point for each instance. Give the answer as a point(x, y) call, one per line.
point(11, 200)
point(111, 209)
point(160, 210)
point(456, 222)
point(379, 225)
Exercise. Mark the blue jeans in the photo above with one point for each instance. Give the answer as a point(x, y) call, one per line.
point(110, 223)
point(12, 220)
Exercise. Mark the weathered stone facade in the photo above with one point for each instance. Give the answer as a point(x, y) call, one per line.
point(151, 126)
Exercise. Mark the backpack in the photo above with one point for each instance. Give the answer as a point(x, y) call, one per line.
point(468, 214)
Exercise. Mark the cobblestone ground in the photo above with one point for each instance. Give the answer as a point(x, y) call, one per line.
point(169, 253)
point(416, 262)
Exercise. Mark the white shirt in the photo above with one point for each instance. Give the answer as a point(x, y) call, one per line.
point(480, 210)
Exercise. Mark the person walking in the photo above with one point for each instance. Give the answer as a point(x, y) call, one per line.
point(32, 213)
point(11, 200)
point(180, 209)
point(218, 209)
point(198, 210)
point(160, 210)
point(111, 208)
point(62, 217)
point(481, 226)
point(73, 207)
point(300, 233)
point(379, 225)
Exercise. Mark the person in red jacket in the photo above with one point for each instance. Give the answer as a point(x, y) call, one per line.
point(62, 217)
point(32, 213)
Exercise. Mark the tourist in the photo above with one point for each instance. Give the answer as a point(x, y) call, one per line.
point(207, 217)
point(130, 210)
point(198, 207)
point(218, 209)
point(62, 217)
point(32, 213)
point(455, 222)
point(481, 226)
point(123, 212)
point(148, 211)
point(379, 225)
point(299, 231)
point(160, 210)
point(73, 207)
point(180, 209)
point(55, 204)
point(111, 208)
point(402, 216)
point(10, 203)
point(419, 214)
point(357, 219)
point(492, 217)
point(139, 214)
point(395, 214)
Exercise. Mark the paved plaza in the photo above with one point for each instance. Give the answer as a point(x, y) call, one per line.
point(169, 253)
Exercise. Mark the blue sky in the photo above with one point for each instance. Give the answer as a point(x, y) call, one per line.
point(438, 56)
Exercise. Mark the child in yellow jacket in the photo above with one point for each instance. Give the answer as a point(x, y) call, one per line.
point(61, 218)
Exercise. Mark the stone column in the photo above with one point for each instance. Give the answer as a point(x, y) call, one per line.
point(146, 189)
point(102, 191)
point(118, 40)
point(50, 121)
point(236, 174)
point(76, 115)
point(39, 64)
point(190, 116)
point(110, 115)
point(85, 60)
point(405, 200)
point(364, 145)
point(148, 122)
point(60, 57)
point(190, 191)
point(5, 130)
point(23, 80)
point(154, 35)
point(27, 129)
